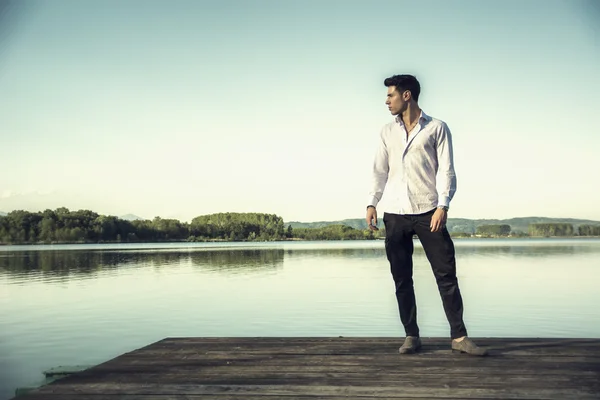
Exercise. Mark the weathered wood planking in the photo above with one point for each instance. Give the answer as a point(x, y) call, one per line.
point(338, 368)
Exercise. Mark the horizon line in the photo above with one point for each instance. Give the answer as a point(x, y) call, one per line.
point(291, 221)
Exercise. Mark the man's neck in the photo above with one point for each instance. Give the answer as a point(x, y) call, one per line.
point(411, 114)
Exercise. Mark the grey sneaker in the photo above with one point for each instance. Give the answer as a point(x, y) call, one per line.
point(467, 346)
point(411, 345)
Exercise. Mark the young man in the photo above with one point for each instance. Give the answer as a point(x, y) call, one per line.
point(414, 164)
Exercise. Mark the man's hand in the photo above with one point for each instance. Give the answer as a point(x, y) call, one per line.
point(372, 218)
point(438, 220)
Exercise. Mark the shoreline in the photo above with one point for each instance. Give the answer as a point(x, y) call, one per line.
point(288, 240)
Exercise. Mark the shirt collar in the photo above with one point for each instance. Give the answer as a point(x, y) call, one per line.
point(422, 118)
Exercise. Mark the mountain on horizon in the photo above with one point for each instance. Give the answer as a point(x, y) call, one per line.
point(130, 217)
point(466, 225)
point(3, 214)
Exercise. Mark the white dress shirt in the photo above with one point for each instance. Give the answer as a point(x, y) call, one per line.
point(417, 172)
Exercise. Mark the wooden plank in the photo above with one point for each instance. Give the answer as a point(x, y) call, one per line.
point(243, 391)
point(373, 346)
point(558, 342)
point(348, 359)
point(181, 341)
point(362, 339)
point(357, 379)
point(301, 364)
point(390, 351)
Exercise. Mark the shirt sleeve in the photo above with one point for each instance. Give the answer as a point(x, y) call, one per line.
point(446, 177)
point(380, 172)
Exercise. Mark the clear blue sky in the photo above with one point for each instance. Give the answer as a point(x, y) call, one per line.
point(184, 108)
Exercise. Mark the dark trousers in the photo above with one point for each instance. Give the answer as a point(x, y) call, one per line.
point(439, 249)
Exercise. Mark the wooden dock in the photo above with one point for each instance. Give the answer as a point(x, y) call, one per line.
point(337, 368)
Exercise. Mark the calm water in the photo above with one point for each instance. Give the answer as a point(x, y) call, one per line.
point(85, 304)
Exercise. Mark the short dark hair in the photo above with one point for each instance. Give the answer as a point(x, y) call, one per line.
point(404, 82)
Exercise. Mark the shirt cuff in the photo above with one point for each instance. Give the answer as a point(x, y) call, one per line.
point(444, 201)
point(373, 201)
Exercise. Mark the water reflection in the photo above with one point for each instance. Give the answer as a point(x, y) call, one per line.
point(54, 264)
point(516, 249)
point(535, 251)
point(88, 263)
point(238, 261)
point(337, 253)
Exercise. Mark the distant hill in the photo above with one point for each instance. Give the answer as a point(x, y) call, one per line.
point(2, 214)
point(457, 224)
point(130, 217)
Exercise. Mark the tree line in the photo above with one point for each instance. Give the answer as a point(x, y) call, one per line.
point(85, 226)
point(540, 229)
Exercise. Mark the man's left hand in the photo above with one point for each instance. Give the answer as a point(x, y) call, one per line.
point(438, 220)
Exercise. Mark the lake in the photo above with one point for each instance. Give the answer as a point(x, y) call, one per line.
point(85, 304)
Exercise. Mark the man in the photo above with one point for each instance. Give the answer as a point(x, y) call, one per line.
point(414, 164)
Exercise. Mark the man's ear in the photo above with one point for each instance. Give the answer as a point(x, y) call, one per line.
point(406, 95)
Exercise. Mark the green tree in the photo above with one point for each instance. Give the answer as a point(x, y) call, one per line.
point(238, 226)
point(106, 228)
point(493, 230)
point(589, 230)
point(551, 229)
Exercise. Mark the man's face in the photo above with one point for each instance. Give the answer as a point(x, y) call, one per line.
point(396, 104)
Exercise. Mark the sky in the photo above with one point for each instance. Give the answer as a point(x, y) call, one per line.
point(185, 108)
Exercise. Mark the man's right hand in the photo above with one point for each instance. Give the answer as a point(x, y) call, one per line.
point(372, 218)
